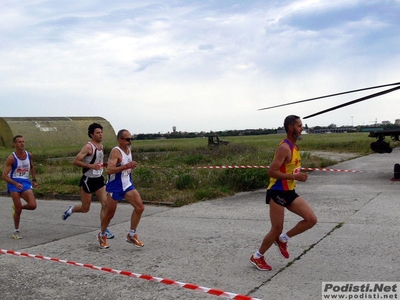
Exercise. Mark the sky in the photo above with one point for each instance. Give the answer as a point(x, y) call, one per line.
point(199, 65)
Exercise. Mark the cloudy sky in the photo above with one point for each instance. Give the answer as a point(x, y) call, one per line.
point(199, 65)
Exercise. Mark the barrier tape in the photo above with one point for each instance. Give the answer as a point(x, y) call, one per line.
point(189, 286)
point(267, 167)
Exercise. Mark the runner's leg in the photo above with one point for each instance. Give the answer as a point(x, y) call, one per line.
point(301, 208)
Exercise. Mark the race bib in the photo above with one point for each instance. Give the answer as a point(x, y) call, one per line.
point(22, 172)
point(98, 172)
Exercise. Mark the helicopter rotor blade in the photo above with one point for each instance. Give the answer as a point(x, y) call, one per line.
point(331, 95)
point(353, 102)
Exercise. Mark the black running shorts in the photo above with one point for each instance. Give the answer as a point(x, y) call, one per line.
point(91, 185)
point(283, 198)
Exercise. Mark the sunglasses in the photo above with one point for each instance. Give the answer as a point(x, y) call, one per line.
point(127, 139)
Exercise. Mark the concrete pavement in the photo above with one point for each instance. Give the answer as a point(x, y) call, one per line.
point(209, 243)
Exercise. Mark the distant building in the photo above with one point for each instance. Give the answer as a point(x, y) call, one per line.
point(52, 131)
point(332, 130)
point(369, 129)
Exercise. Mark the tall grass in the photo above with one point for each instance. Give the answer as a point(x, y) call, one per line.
point(169, 171)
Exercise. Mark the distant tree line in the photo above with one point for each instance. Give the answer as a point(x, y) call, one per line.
point(246, 132)
point(186, 135)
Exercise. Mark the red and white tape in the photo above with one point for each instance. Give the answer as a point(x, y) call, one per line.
point(189, 286)
point(332, 170)
point(267, 167)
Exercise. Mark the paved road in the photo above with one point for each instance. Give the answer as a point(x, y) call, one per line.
point(209, 243)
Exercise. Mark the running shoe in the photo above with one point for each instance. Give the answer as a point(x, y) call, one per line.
point(109, 235)
point(282, 248)
point(134, 240)
point(17, 235)
point(13, 210)
point(260, 263)
point(66, 213)
point(102, 241)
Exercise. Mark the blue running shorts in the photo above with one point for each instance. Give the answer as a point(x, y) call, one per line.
point(118, 196)
point(26, 185)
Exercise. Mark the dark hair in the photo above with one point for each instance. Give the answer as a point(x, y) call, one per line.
point(92, 128)
point(119, 134)
point(16, 137)
point(290, 120)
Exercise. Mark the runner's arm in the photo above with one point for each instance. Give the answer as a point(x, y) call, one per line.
point(5, 176)
point(33, 172)
point(78, 160)
point(115, 159)
point(283, 153)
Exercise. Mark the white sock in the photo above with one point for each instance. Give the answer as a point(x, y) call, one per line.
point(132, 232)
point(284, 238)
point(70, 212)
point(257, 254)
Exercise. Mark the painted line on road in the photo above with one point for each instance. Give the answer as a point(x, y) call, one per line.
point(190, 286)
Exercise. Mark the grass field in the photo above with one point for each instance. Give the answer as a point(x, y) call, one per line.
point(168, 169)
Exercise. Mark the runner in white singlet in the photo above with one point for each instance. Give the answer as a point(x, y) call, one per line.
point(16, 173)
point(119, 187)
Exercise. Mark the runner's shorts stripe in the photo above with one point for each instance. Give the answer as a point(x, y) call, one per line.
point(91, 185)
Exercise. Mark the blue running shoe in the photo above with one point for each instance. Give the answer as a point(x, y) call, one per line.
point(109, 235)
point(67, 213)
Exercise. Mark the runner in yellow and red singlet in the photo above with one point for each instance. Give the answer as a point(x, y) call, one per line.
point(284, 172)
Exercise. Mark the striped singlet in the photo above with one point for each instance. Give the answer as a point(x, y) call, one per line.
point(293, 167)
